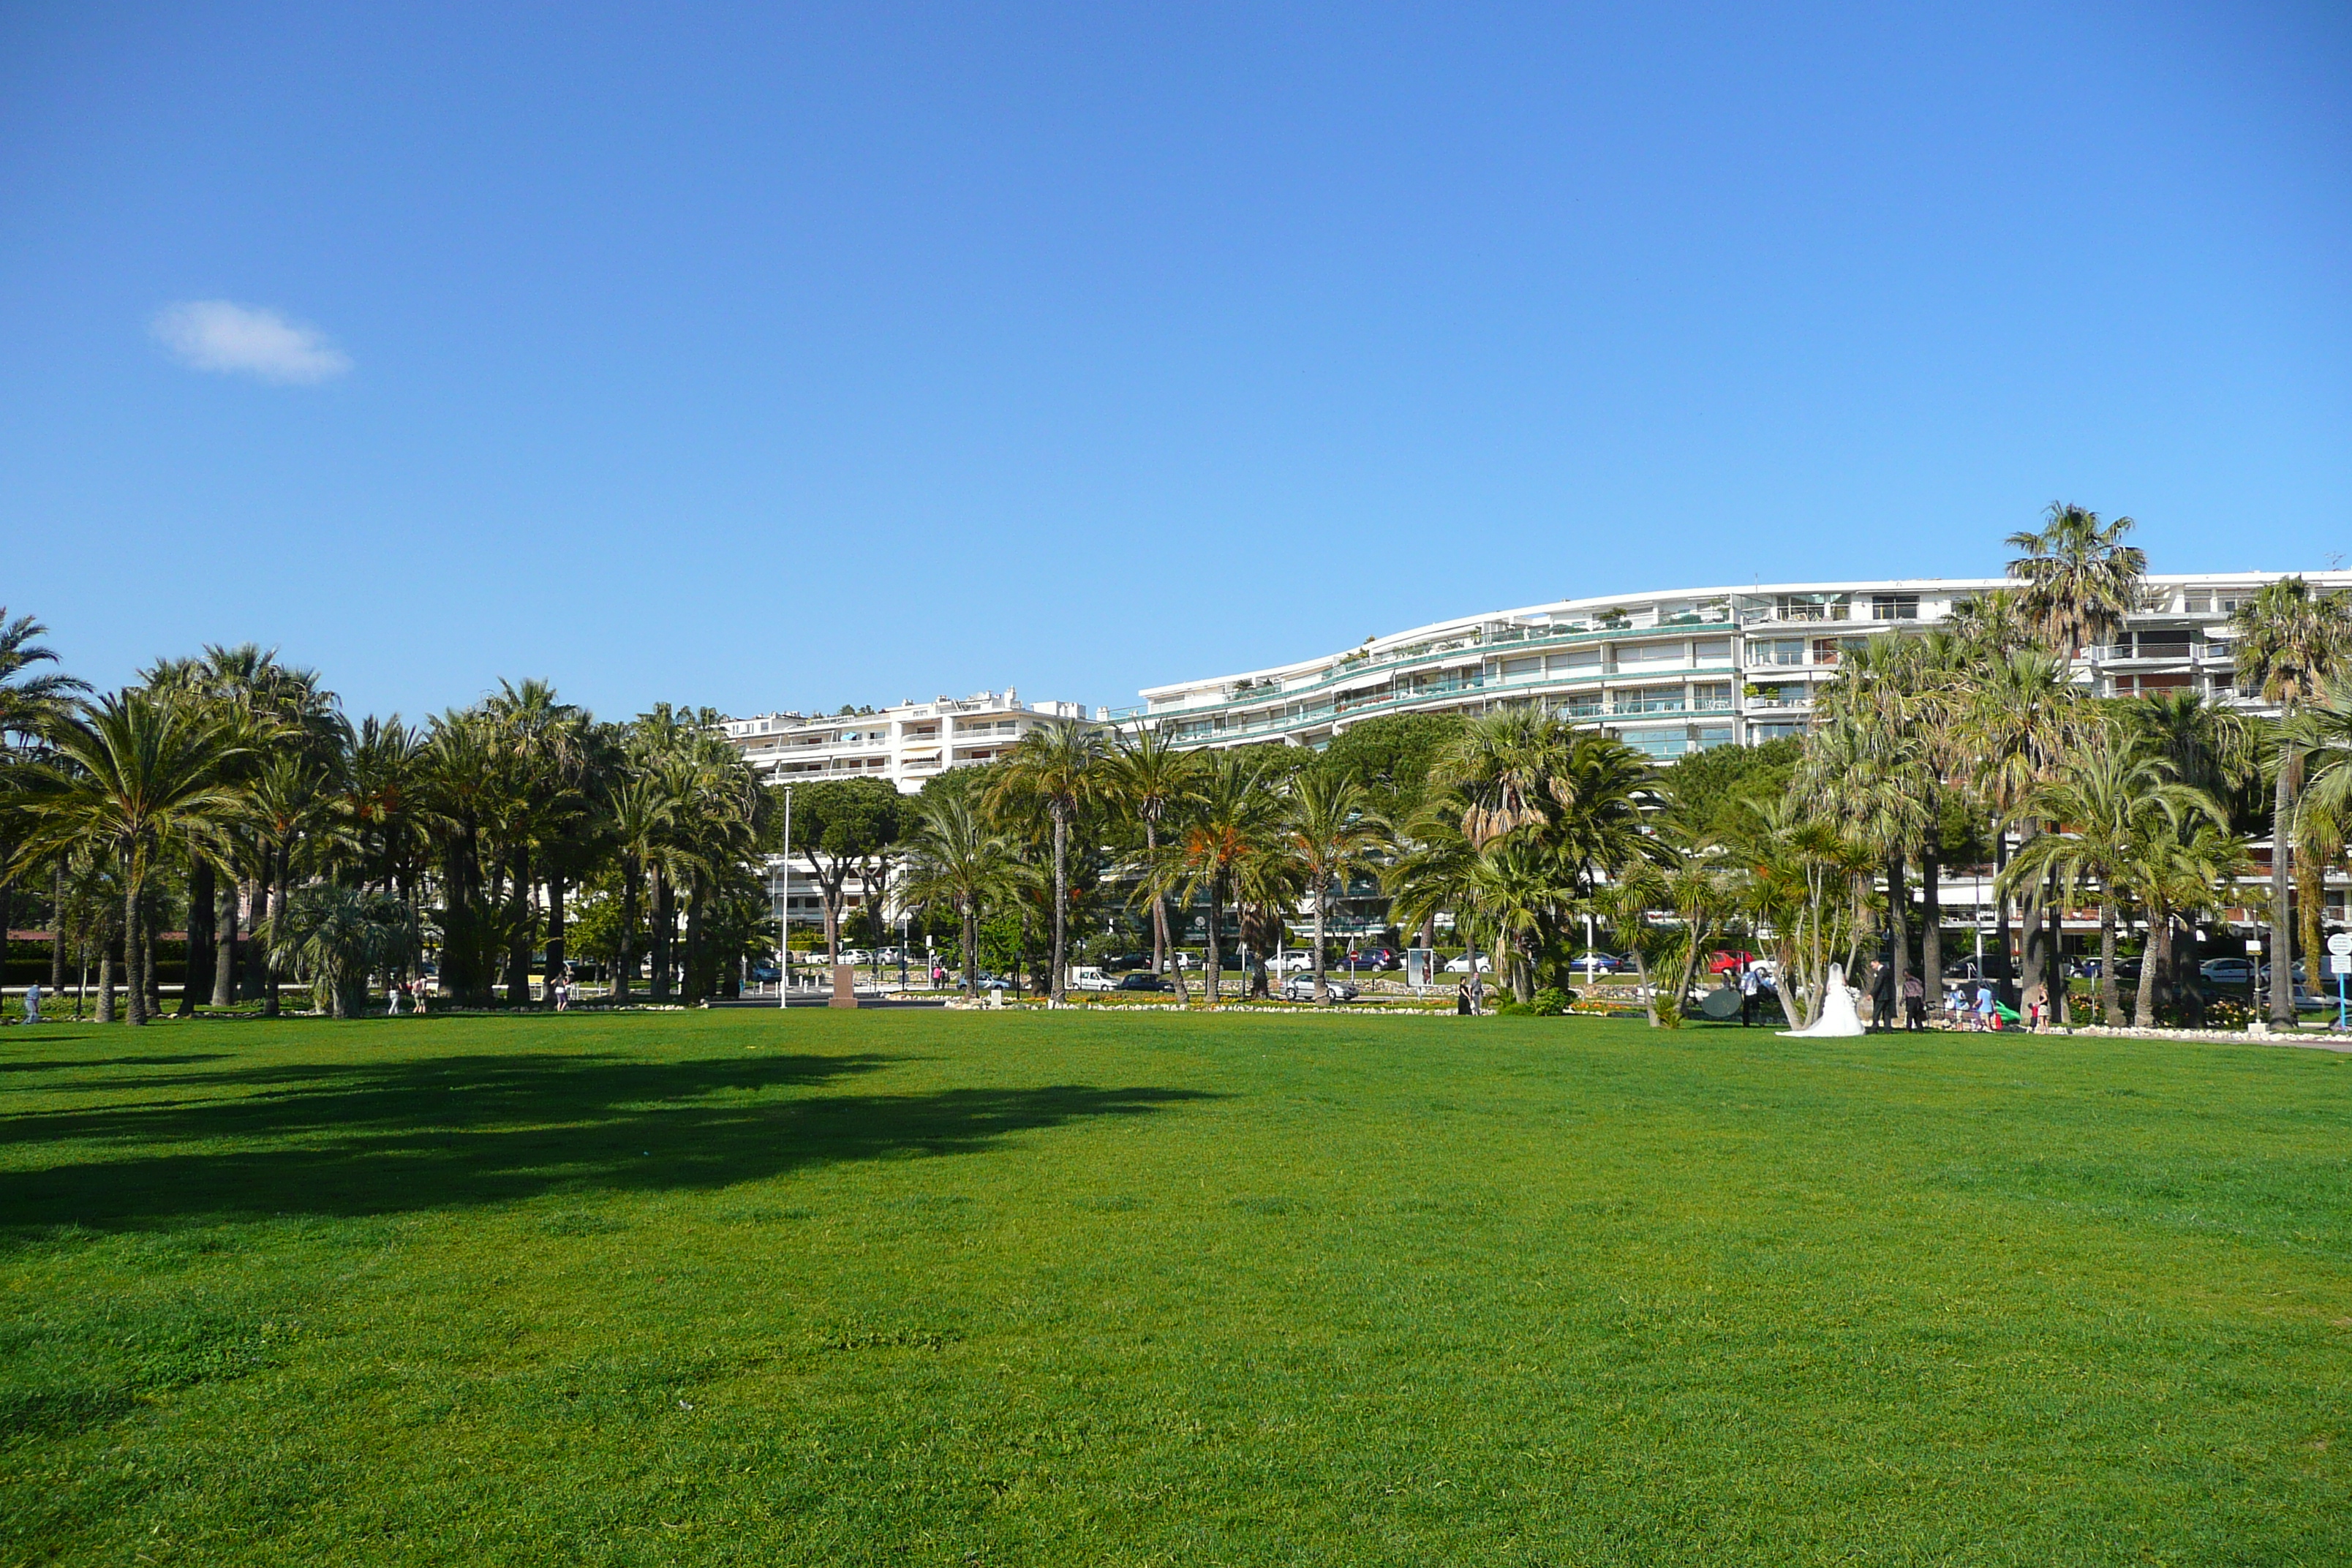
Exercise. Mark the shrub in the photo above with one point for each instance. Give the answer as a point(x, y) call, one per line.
point(1551, 1001)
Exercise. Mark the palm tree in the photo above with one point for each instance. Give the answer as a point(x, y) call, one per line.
point(1150, 778)
point(1232, 821)
point(545, 742)
point(1991, 626)
point(32, 707)
point(2107, 803)
point(1430, 873)
point(1521, 893)
point(2081, 579)
point(2174, 870)
point(131, 774)
point(2291, 645)
point(1057, 767)
point(1329, 834)
point(2018, 720)
point(1873, 769)
point(962, 862)
point(1506, 767)
point(334, 937)
point(642, 815)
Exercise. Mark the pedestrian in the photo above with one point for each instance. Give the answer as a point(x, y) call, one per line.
point(392, 992)
point(33, 1003)
point(416, 996)
point(1914, 1004)
point(1986, 1017)
point(1462, 1000)
point(1882, 999)
point(1751, 981)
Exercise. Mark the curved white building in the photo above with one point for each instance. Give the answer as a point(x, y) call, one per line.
point(1676, 672)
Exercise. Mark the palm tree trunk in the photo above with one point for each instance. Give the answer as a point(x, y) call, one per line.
point(149, 940)
point(661, 913)
point(2110, 1001)
point(1061, 902)
point(2061, 1003)
point(225, 944)
point(105, 975)
point(2282, 908)
point(1159, 899)
point(277, 879)
point(58, 928)
point(2004, 972)
point(1931, 922)
point(1898, 929)
point(624, 962)
point(196, 972)
point(2159, 943)
point(257, 906)
point(519, 944)
point(556, 944)
point(1321, 898)
point(1215, 967)
point(970, 948)
point(134, 927)
point(696, 988)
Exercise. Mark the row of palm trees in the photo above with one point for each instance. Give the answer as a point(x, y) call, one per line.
point(2131, 803)
point(230, 786)
point(1516, 821)
point(1964, 740)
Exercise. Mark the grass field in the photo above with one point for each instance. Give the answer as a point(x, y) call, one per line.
point(924, 1288)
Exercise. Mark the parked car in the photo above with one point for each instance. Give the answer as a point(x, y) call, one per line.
point(1301, 989)
point(1088, 977)
point(764, 975)
point(1373, 958)
point(1462, 965)
point(1291, 962)
point(1140, 980)
point(2228, 972)
point(1602, 962)
point(1727, 961)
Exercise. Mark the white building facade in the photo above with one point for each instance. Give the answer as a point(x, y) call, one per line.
point(1675, 672)
point(905, 746)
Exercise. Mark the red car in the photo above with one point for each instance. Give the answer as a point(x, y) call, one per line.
point(1723, 961)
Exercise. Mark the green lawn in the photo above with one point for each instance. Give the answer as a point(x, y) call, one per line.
point(916, 1287)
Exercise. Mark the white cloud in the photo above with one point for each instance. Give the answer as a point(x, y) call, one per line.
point(215, 334)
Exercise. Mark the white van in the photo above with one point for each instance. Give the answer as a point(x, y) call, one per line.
point(1088, 977)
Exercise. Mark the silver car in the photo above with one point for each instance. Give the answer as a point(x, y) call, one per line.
point(1301, 989)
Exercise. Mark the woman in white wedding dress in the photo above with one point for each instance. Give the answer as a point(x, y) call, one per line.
point(1838, 1017)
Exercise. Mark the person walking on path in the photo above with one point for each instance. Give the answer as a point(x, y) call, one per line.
point(1751, 981)
point(33, 1003)
point(1462, 1000)
point(393, 991)
point(1914, 1004)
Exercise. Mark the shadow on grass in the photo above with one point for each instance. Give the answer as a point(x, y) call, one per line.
point(459, 1131)
point(71, 1065)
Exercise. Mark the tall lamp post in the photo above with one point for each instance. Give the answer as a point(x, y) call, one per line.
point(784, 915)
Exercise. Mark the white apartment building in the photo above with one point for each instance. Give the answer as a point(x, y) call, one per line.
point(1677, 672)
point(904, 744)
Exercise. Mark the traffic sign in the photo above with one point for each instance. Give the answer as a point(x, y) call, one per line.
point(2340, 944)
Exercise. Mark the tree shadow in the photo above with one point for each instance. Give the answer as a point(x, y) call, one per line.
point(67, 1063)
point(455, 1131)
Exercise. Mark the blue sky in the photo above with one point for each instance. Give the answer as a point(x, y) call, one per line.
point(796, 356)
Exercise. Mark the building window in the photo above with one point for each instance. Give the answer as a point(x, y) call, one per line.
point(1711, 735)
point(1775, 731)
point(1895, 606)
point(1711, 694)
point(1776, 650)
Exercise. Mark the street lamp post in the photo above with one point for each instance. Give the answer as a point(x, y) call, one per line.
point(784, 915)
